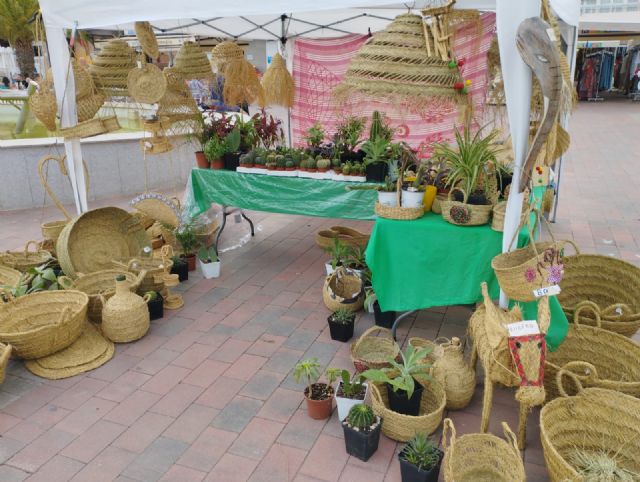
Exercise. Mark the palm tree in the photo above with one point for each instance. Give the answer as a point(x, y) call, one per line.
point(15, 16)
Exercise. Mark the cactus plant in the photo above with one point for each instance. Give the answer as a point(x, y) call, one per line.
point(290, 165)
point(379, 129)
point(361, 416)
point(361, 432)
point(346, 168)
point(323, 164)
point(311, 164)
point(335, 162)
point(281, 163)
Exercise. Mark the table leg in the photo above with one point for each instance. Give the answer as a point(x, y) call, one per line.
point(226, 213)
point(249, 221)
point(398, 320)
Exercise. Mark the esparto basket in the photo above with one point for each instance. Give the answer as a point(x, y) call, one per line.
point(24, 260)
point(42, 323)
point(5, 355)
point(610, 286)
point(343, 289)
point(499, 211)
point(597, 357)
point(9, 276)
point(374, 351)
point(402, 427)
point(399, 213)
point(595, 420)
point(481, 457)
point(154, 271)
point(463, 214)
point(436, 207)
point(346, 236)
point(88, 128)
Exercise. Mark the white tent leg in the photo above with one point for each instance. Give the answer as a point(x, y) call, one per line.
point(517, 88)
point(65, 94)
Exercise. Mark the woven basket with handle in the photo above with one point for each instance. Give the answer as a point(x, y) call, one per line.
point(343, 289)
point(9, 276)
point(154, 271)
point(25, 259)
point(371, 351)
point(5, 355)
point(463, 214)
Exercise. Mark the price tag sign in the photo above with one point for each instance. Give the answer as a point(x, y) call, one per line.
point(548, 291)
point(523, 328)
point(551, 34)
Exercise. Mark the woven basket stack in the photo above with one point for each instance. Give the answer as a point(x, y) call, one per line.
point(111, 67)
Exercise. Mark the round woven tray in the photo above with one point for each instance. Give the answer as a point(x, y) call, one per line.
point(147, 84)
point(595, 420)
point(42, 323)
point(399, 213)
point(91, 350)
point(401, 427)
point(5, 355)
point(158, 207)
point(93, 240)
point(346, 236)
point(374, 351)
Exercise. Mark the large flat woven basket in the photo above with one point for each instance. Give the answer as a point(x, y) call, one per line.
point(9, 276)
point(398, 212)
point(371, 351)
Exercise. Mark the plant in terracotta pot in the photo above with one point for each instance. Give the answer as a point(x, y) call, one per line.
point(180, 267)
point(336, 165)
point(209, 262)
point(361, 431)
point(323, 164)
point(281, 162)
point(341, 323)
point(312, 164)
point(214, 151)
point(186, 236)
point(403, 390)
point(268, 129)
point(420, 460)
point(155, 303)
point(319, 396)
point(350, 390)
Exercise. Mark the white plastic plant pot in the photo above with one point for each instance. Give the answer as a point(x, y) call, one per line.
point(412, 199)
point(345, 404)
point(388, 199)
point(210, 270)
point(329, 268)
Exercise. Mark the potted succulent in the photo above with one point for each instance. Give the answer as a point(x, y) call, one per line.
point(355, 260)
point(338, 252)
point(290, 165)
point(314, 137)
point(312, 165)
point(379, 129)
point(281, 163)
point(323, 164)
point(376, 158)
point(231, 144)
point(361, 431)
point(341, 324)
point(155, 303)
point(413, 195)
point(387, 193)
point(336, 165)
point(186, 236)
point(180, 267)
point(319, 396)
point(350, 390)
point(420, 460)
point(214, 151)
point(247, 160)
point(403, 390)
point(209, 262)
point(346, 168)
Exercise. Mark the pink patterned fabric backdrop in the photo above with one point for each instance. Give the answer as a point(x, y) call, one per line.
point(319, 65)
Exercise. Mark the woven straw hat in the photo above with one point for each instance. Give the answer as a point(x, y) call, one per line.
point(89, 351)
point(111, 67)
point(192, 62)
point(147, 84)
point(225, 52)
point(278, 84)
point(147, 39)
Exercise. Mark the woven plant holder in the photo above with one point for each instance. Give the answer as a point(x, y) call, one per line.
point(153, 279)
point(463, 214)
point(346, 236)
point(595, 420)
point(399, 213)
point(481, 457)
point(88, 128)
point(436, 207)
point(192, 62)
point(401, 427)
point(93, 240)
point(343, 289)
point(44, 105)
point(25, 259)
point(371, 351)
point(147, 84)
point(125, 316)
point(99, 287)
point(111, 67)
point(455, 374)
point(277, 83)
point(9, 276)
point(147, 39)
point(91, 350)
point(88, 107)
point(499, 211)
point(598, 357)
point(609, 286)
point(40, 324)
point(5, 355)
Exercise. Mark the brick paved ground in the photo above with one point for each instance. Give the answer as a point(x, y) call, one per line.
point(208, 393)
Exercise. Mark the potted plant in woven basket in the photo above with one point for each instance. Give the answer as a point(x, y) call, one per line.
point(413, 194)
point(402, 389)
point(209, 262)
point(341, 323)
point(401, 212)
point(319, 396)
point(376, 159)
point(350, 390)
point(155, 303)
point(420, 460)
point(186, 236)
point(361, 431)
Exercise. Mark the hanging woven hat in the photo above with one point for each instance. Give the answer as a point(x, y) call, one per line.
point(158, 207)
point(147, 84)
point(111, 67)
point(193, 62)
point(43, 103)
point(395, 64)
point(89, 351)
point(225, 52)
point(241, 83)
point(147, 39)
point(278, 83)
point(177, 104)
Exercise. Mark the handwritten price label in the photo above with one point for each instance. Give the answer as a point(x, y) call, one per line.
point(523, 328)
point(548, 291)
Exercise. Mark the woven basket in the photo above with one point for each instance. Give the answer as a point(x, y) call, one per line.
point(147, 84)
point(87, 107)
point(463, 214)
point(91, 241)
point(455, 374)
point(111, 67)
point(225, 52)
point(599, 358)
point(99, 286)
point(192, 62)
point(435, 352)
point(481, 457)
point(398, 212)
point(374, 351)
point(402, 427)
point(611, 287)
point(24, 260)
point(155, 270)
point(42, 323)
point(110, 123)
point(9, 276)
point(499, 211)
point(5, 355)
point(88, 128)
point(125, 316)
point(436, 207)
point(43, 103)
point(52, 229)
point(343, 289)
point(595, 420)
point(147, 39)
point(346, 236)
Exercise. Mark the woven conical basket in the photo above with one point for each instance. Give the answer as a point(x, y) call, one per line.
point(111, 67)
point(193, 62)
point(177, 104)
point(225, 52)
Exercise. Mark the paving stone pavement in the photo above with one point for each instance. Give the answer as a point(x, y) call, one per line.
point(208, 393)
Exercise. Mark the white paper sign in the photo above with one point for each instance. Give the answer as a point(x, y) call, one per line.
point(548, 291)
point(523, 328)
point(551, 34)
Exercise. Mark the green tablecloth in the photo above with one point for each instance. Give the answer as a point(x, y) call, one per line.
point(287, 195)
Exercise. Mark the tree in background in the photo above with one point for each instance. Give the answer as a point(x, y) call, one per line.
point(16, 29)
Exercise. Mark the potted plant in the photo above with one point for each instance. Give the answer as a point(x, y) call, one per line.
point(420, 460)
point(387, 193)
point(231, 145)
point(323, 164)
point(385, 319)
point(290, 165)
point(379, 129)
point(186, 236)
point(209, 262)
point(180, 267)
point(361, 431)
point(346, 168)
point(319, 396)
point(336, 165)
point(350, 390)
point(338, 252)
point(281, 163)
point(348, 136)
point(341, 324)
point(247, 160)
point(314, 137)
point(155, 304)
point(375, 160)
point(214, 151)
point(268, 130)
point(312, 165)
point(413, 195)
point(355, 260)
point(403, 390)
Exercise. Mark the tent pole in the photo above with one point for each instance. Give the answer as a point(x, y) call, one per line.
point(66, 97)
point(517, 87)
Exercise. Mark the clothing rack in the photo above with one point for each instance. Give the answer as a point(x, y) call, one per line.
point(601, 56)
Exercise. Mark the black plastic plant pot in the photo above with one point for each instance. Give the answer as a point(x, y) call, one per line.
point(361, 445)
point(400, 403)
point(181, 268)
point(231, 161)
point(377, 172)
point(156, 307)
point(384, 319)
point(411, 473)
point(340, 331)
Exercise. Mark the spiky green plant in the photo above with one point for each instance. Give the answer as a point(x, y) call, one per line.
point(342, 315)
point(379, 129)
point(361, 416)
point(375, 150)
point(323, 163)
point(338, 252)
point(421, 452)
point(315, 135)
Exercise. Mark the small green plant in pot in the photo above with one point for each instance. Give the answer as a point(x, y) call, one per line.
point(361, 431)
point(338, 252)
point(350, 390)
point(155, 303)
point(420, 460)
point(376, 159)
point(186, 236)
point(209, 262)
point(319, 396)
point(214, 151)
point(341, 323)
point(403, 390)
point(315, 136)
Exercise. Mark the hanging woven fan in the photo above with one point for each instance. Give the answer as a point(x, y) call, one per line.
point(147, 39)
point(241, 83)
point(278, 83)
point(111, 67)
point(158, 207)
point(192, 62)
point(146, 84)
